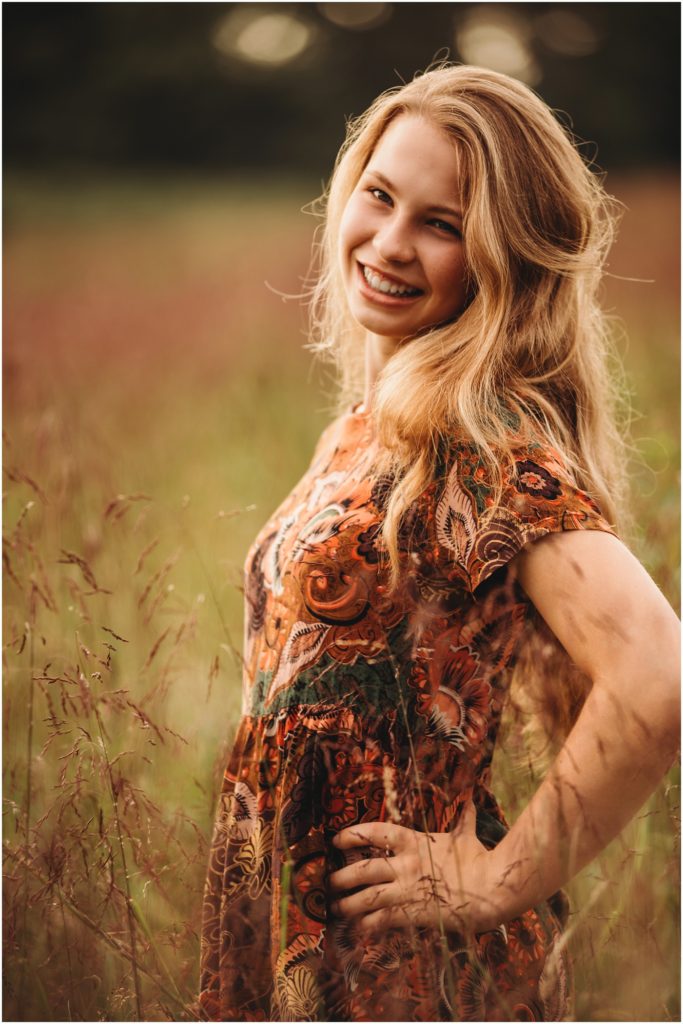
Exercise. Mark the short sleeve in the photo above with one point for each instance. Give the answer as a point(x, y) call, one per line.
point(539, 497)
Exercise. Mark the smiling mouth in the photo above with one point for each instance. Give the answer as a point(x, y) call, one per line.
point(387, 286)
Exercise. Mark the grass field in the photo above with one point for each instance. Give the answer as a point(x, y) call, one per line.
point(158, 406)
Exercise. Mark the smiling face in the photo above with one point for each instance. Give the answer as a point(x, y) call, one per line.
point(400, 240)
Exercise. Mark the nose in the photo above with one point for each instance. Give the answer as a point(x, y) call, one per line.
point(393, 242)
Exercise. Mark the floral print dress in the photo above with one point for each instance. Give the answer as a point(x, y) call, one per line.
point(361, 704)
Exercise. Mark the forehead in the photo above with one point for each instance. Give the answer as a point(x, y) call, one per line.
point(417, 154)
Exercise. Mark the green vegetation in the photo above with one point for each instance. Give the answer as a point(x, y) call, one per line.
point(158, 406)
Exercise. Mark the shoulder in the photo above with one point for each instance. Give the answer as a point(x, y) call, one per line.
point(335, 435)
point(528, 478)
point(492, 504)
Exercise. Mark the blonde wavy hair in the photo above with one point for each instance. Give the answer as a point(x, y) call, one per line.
point(532, 339)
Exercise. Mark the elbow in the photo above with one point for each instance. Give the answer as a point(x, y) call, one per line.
point(643, 699)
point(671, 689)
point(671, 715)
point(662, 697)
point(663, 710)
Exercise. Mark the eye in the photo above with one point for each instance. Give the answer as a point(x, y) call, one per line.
point(380, 195)
point(446, 226)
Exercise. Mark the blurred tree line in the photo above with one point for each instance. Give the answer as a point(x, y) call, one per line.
point(154, 85)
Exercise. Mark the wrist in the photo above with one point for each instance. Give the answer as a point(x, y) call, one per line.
point(502, 885)
point(481, 902)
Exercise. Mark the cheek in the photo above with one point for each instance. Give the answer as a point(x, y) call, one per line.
point(345, 230)
point(449, 277)
point(350, 228)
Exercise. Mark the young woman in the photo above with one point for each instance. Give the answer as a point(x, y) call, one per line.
point(361, 868)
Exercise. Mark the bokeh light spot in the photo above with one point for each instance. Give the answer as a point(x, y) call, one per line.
point(358, 16)
point(566, 32)
point(262, 38)
point(494, 38)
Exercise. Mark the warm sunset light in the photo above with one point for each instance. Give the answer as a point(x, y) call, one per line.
point(566, 32)
point(498, 40)
point(272, 38)
point(356, 16)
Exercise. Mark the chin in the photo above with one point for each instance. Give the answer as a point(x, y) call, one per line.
point(394, 337)
point(375, 323)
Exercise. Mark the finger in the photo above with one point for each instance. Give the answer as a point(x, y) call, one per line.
point(373, 898)
point(364, 872)
point(379, 834)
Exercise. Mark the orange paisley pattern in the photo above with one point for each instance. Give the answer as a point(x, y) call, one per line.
point(363, 705)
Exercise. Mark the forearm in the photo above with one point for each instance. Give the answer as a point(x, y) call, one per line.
point(609, 765)
point(616, 627)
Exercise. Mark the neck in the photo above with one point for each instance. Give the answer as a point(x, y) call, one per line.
point(378, 352)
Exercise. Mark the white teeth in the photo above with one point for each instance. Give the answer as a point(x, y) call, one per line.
point(382, 284)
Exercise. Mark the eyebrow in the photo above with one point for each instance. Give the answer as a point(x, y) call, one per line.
point(450, 211)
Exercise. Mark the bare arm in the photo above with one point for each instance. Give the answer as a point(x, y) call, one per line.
point(618, 628)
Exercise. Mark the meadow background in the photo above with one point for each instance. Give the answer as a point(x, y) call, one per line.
point(158, 405)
